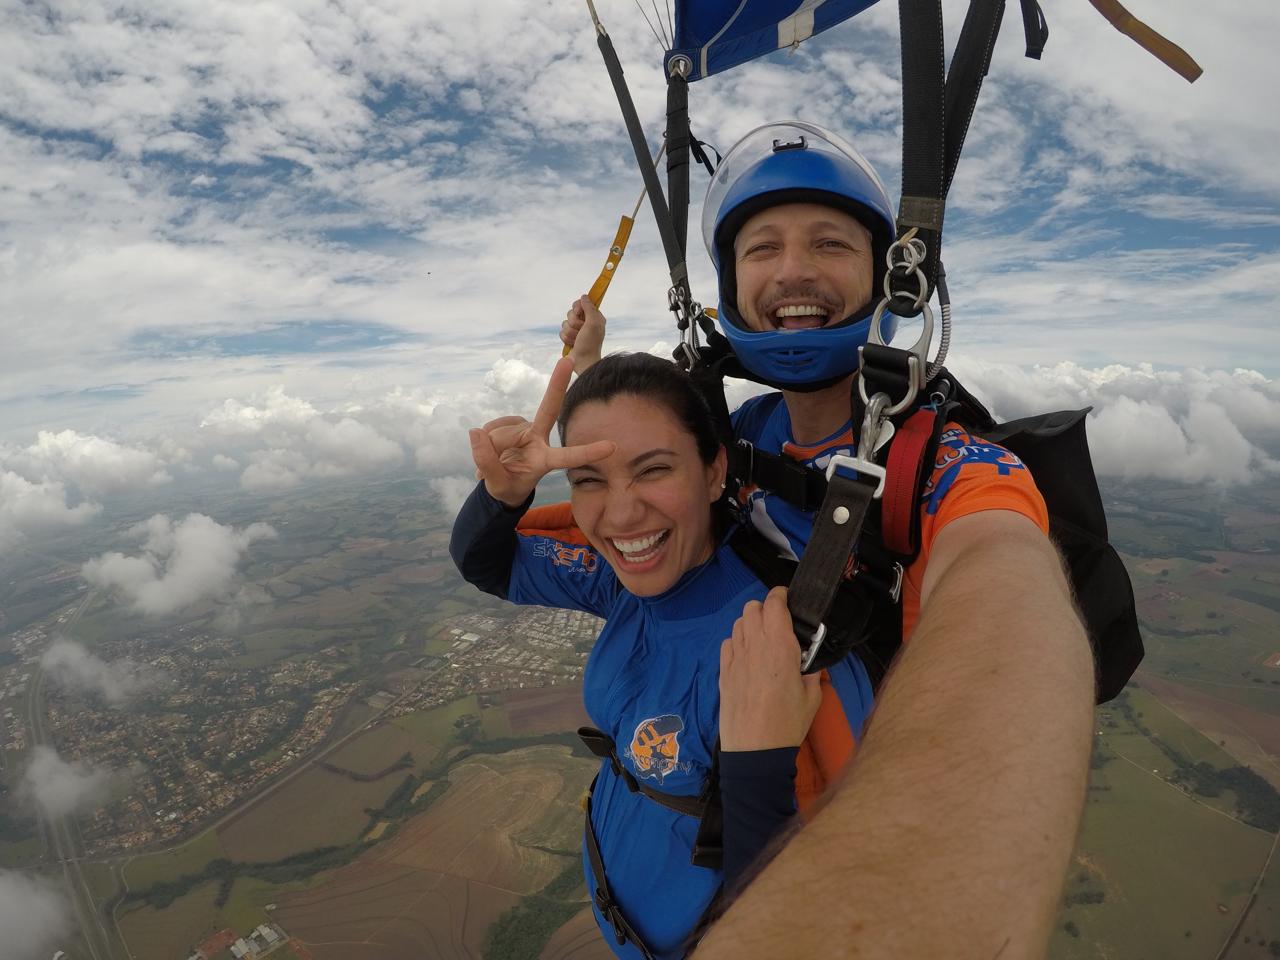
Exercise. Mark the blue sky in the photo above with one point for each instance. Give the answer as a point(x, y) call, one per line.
point(226, 225)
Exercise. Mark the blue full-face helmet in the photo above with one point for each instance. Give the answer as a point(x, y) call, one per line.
point(795, 162)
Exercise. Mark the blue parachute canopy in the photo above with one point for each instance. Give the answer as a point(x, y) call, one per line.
point(718, 34)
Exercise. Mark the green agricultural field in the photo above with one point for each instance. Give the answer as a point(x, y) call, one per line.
point(175, 931)
point(191, 857)
point(1172, 871)
point(1167, 866)
point(380, 748)
point(100, 879)
point(245, 908)
point(21, 853)
point(314, 809)
point(1262, 925)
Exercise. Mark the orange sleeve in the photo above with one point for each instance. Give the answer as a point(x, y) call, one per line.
point(970, 475)
point(554, 520)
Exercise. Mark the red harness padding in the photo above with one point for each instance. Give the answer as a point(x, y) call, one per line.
point(904, 476)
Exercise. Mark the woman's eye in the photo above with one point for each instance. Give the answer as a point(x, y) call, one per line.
point(583, 481)
point(655, 470)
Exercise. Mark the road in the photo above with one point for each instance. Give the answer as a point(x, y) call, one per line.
point(62, 834)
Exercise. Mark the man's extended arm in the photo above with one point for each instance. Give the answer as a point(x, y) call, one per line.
point(953, 831)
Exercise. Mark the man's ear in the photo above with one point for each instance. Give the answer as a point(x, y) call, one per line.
point(717, 472)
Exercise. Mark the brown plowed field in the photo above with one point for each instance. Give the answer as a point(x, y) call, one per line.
point(545, 710)
point(377, 911)
point(436, 887)
point(1251, 736)
point(579, 939)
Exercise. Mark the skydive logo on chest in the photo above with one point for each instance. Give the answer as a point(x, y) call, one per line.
point(956, 450)
point(571, 555)
point(655, 746)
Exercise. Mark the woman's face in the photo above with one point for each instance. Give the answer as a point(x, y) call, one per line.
point(647, 508)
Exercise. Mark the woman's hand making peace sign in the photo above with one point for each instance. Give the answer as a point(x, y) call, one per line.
point(512, 454)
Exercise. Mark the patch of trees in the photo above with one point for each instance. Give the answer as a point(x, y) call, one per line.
point(524, 930)
point(1261, 599)
point(1083, 897)
point(224, 892)
point(298, 866)
point(405, 761)
point(1257, 802)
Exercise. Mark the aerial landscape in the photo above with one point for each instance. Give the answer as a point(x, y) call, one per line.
point(360, 756)
point(265, 267)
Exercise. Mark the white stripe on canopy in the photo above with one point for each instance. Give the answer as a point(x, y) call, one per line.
point(711, 43)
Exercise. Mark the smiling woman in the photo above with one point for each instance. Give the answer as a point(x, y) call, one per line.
point(682, 713)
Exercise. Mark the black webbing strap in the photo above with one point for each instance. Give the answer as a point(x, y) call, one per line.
point(695, 147)
point(938, 106)
point(800, 486)
point(678, 157)
point(969, 66)
point(608, 907)
point(836, 528)
point(657, 199)
point(602, 745)
point(923, 130)
point(1035, 28)
point(708, 846)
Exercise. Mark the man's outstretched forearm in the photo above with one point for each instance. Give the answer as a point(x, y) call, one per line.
point(953, 831)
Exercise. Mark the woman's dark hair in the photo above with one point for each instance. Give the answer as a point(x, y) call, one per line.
point(652, 378)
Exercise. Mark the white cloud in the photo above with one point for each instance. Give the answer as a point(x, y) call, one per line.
point(60, 787)
point(1214, 427)
point(27, 507)
point(69, 664)
point(181, 564)
point(33, 916)
point(298, 442)
point(452, 492)
point(95, 464)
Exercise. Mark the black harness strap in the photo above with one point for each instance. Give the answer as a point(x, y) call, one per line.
point(602, 745)
point(608, 907)
point(1035, 28)
point(923, 132)
point(969, 66)
point(678, 143)
point(836, 529)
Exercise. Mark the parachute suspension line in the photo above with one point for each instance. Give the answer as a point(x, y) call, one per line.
point(662, 27)
point(652, 28)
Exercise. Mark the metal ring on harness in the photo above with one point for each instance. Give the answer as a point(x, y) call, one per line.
point(917, 363)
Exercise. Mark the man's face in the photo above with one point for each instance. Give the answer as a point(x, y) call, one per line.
point(801, 266)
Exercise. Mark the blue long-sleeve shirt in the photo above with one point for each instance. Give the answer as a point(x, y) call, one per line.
point(652, 684)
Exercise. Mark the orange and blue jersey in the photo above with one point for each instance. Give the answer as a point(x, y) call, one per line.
point(969, 475)
point(652, 684)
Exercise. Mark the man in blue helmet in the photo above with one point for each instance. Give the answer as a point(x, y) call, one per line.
point(967, 790)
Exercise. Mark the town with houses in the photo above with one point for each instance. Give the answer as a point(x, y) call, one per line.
point(206, 734)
